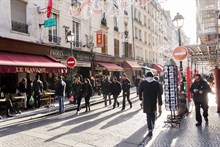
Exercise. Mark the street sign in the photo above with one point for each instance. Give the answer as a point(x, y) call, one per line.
point(180, 53)
point(71, 62)
point(49, 22)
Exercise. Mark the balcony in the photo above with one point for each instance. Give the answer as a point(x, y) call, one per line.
point(54, 39)
point(77, 44)
point(19, 27)
point(103, 22)
point(116, 29)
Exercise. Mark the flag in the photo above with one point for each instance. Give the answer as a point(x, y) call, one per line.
point(49, 8)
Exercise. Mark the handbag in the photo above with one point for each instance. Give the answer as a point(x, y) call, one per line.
point(84, 94)
point(31, 101)
point(71, 99)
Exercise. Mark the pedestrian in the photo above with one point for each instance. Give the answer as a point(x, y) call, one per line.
point(87, 93)
point(200, 89)
point(150, 89)
point(77, 91)
point(137, 82)
point(106, 90)
point(93, 84)
point(60, 93)
point(126, 85)
point(141, 80)
point(37, 91)
point(116, 90)
point(22, 90)
point(29, 91)
point(161, 92)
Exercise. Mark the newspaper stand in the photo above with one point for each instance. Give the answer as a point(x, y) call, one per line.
point(171, 93)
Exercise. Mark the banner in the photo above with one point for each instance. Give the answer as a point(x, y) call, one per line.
point(99, 39)
point(189, 82)
point(49, 8)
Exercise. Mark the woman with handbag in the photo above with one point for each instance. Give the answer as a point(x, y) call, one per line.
point(87, 93)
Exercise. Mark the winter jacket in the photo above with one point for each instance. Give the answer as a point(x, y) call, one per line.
point(77, 89)
point(60, 88)
point(106, 87)
point(22, 87)
point(203, 86)
point(126, 85)
point(87, 90)
point(116, 88)
point(149, 92)
point(38, 87)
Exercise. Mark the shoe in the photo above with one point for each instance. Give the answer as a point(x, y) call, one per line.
point(150, 134)
point(113, 108)
point(18, 112)
point(118, 104)
point(130, 106)
point(89, 108)
point(207, 120)
point(9, 115)
point(198, 124)
point(0, 117)
point(86, 110)
point(122, 109)
point(77, 112)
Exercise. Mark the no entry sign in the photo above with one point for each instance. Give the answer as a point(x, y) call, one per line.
point(71, 62)
point(180, 53)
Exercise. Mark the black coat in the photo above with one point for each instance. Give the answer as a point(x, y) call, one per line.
point(126, 85)
point(106, 87)
point(87, 90)
point(151, 92)
point(22, 87)
point(77, 90)
point(60, 88)
point(201, 85)
point(116, 88)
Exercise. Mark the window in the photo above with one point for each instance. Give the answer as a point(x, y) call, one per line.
point(116, 47)
point(105, 44)
point(76, 31)
point(18, 16)
point(140, 35)
point(136, 33)
point(145, 37)
point(145, 21)
point(115, 22)
point(139, 16)
point(53, 32)
point(135, 12)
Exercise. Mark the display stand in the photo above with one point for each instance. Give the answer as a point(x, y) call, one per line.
point(171, 94)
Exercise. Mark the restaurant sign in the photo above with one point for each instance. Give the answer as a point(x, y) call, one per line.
point(30, 70)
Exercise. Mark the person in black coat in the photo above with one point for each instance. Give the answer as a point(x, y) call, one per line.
point(126, 85)
point(200, 89)
point(87, 93)
point(116, 90)
point(150, 89)
point(137, 81)
point(161, 92)
point(37, 91)
point(106, 90)
point(77, 91)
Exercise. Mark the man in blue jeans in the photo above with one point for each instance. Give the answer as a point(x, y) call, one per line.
point(60, 93)
point(150, 89)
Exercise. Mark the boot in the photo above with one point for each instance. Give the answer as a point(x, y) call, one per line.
point(86, 109)
point(89, 108)
point(118, 104)
point(8, 113)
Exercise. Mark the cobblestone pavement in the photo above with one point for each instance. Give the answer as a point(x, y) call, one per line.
point(104, 127)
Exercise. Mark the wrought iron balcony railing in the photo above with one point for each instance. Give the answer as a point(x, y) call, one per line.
point(19, 27)
point(54, 39)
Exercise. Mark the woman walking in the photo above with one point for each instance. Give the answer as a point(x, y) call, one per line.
point(87, 93)
point(77, 90)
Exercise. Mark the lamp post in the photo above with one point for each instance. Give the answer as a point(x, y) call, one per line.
point(178, 22)
point(70, 38)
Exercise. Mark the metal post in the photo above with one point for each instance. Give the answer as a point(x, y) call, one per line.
point(71, 53)
point(181, 64)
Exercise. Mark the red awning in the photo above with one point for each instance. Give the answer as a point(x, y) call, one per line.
point(110, 66)
point(158, 67)
point(26, 63)
point(130, 65)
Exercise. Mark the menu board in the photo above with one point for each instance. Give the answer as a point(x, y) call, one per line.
point(171, 87)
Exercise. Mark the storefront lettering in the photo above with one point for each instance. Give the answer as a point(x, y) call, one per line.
point(30, 69)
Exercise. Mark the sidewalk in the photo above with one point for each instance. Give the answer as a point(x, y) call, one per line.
point(42, 112)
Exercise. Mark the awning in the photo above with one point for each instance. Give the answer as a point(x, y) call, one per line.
point(149, 69)
point(109, 67)
point(26, 63)
point(158, 67)
point(130, 65)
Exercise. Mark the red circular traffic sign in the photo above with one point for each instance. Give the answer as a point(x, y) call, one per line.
point(180, 53)
point(71, 62)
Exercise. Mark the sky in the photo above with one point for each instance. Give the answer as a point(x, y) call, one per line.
point(187, 8)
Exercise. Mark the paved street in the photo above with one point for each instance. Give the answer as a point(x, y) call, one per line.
point(104, 127)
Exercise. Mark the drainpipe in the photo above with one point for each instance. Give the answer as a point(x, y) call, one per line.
point(132, 16)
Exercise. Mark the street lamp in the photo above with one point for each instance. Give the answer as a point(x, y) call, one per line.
point(178, 23)
point(70, 38)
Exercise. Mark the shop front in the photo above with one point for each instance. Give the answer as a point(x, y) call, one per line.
point(132, 69)
point(83, 60)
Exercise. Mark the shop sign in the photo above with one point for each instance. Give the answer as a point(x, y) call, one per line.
point(30, 69)
point(99, 39)
point(104, 59)
point(49, 22)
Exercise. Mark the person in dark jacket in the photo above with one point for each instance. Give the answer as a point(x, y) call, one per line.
point(60, 93)
point(161, 92)
point(77, 91)
point(23, 89)
point(200, 89)
point(116, 90)
point(87, 93)
point(37, 91)
point(150, 89)
point(137, 81)
point(126, 85)
point(106, 90)
point(29, 91)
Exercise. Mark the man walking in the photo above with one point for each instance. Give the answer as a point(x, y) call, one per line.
point(106, 90)
point(60, 93)
point(161, 92)
point(37, 91)
point(116, 90)
point(150, 90)
point(126, 85)
point(200, 89)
